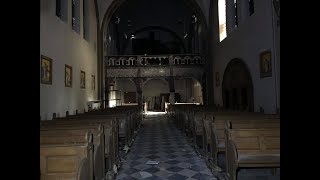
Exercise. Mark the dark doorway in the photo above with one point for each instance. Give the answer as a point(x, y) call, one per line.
point(244, 99)
point(227, 99)
point(237, 83)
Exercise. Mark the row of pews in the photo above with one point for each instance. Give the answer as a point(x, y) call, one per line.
point(87, 146)
point(247, 139)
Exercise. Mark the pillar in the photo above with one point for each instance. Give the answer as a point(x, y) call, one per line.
point(172, 89)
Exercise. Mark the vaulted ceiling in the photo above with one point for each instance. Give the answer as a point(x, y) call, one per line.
point(201, 6)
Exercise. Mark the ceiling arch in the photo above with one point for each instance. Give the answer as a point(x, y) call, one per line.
point(107, 7)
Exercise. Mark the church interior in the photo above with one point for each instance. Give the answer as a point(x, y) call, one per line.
point(159, 89)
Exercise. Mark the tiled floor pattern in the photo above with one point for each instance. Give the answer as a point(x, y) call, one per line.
point(159, 140)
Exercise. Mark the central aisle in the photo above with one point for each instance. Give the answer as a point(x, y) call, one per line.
point(159, 140)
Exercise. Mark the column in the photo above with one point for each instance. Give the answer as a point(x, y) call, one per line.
point(171, 98)
point(204, 89)
point(172, 90)
point(139, 83)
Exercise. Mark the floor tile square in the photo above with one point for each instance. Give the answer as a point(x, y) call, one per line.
point(174, 169)
point(177, 177)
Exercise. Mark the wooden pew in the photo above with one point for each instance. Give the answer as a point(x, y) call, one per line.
point(61, 134)
point(252, 148)
point(71, 160)
point(197, 129)
point(242, 120)
point(110, 132)
point(207, 135)
point(128, 119)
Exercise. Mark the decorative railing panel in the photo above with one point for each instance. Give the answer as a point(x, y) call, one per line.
point(172, 65)
point(153, 60)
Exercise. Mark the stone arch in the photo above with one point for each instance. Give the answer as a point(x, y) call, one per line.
point(106, 17)
point(117, 3)
point(120, 92)
point(156, 92)
point(197, 94)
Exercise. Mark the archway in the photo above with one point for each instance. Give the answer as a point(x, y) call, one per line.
point(237, 87)
point(195, 38)
point(155, 94)
point(188, 90)
point(122, 92)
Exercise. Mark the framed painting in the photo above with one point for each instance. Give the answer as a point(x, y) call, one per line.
point(46, 70)
point(265, 64)
point(217, 79)
point(93, 82)
point(82, 79)
point(68, 76)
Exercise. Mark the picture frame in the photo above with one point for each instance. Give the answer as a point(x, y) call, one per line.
point(217, 79)
point(265, 64)
point(82, 79)
point(93, 82)
point(46, 70)
point(68, 76)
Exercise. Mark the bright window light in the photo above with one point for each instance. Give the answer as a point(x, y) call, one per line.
point(222, 19)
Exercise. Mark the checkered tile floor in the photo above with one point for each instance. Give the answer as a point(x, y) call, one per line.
point(159, 140)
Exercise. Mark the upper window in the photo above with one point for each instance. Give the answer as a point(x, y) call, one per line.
point(235, 13)
point(222, 19)
point(86, 19)
point(58, 8)
point(62, 9)
point(76, 15)
point(251, 7)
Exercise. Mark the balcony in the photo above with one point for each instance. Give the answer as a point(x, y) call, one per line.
point(153, 60)
point(150, 66)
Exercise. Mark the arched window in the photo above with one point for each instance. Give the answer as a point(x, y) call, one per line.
point(251, 7)
point(76, 15)
point(235, 13)
point(222, 19)
point(85, 15)
point(62, 10)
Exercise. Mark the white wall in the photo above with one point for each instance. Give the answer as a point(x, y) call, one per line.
point(59, 42)
point(253, 36)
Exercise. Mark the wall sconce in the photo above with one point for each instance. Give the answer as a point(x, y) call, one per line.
point(117, 20)
point(194, 19)
point(185, 35)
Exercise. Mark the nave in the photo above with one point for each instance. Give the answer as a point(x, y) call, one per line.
point(160, 141)
point(188, 142)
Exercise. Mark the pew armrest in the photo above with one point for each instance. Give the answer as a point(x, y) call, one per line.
point(231, 159)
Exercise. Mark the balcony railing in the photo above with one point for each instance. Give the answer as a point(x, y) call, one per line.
point(154, 60)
